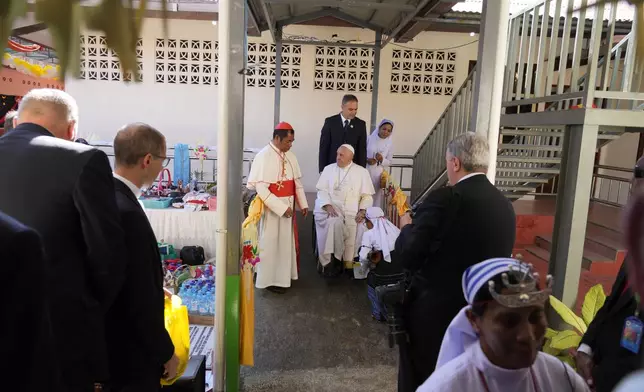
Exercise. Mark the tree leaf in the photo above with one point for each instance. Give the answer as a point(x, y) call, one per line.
point(63, 20)
point(565, 340)
point(593, 301)
point(118, 24)
point(548, 349)
point(9, 11)
point(550, 333)
point(568, 315)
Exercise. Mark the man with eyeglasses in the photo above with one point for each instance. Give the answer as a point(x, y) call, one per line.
point(135, 324)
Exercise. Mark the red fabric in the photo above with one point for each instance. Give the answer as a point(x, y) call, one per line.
point(287, 189)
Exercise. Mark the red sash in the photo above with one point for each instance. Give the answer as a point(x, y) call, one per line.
point(287, 189)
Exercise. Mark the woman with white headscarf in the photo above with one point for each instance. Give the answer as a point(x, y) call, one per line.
point(377, 258)
point(380, 152)
point(492, 345)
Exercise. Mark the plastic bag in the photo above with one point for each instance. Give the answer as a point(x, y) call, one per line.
point(177, 325)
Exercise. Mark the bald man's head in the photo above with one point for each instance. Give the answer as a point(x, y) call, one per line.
point(52, 109)
point(344, 156)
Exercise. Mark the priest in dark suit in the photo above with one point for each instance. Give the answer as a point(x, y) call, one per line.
point(454, 228)
point(344, 128)
point(65, 192)
point(140, 349)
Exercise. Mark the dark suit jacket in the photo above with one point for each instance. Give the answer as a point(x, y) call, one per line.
point(138, 342)
point(65, 191)
point(333, 136)
point(454, 228)
point(28, 348)
point(604, 334)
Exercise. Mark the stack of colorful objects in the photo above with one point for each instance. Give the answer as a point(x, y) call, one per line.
point(199, 294)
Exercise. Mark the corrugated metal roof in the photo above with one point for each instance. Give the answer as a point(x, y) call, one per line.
point(625, 11)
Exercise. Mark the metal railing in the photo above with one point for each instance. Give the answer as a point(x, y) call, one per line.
point(209, 174)
point(611, 185)
point(429, 159)
point(539, 69)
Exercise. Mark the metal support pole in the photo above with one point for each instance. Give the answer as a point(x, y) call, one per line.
point(278, 76)
point(230, 147)
point(488, 86)
point(573, 200)
point(376, 81)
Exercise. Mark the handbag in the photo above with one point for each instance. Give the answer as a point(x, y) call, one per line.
point(192, 255)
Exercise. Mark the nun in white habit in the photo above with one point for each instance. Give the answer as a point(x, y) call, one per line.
point(492, 345)
point(380, 152)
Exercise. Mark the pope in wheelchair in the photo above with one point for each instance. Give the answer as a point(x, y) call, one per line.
point(345, 191)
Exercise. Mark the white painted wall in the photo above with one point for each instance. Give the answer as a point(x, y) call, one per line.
point(188, 113)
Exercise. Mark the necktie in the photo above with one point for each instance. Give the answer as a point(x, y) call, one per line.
point(346, 125)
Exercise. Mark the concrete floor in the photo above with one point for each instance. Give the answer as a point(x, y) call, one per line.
point(319, 336)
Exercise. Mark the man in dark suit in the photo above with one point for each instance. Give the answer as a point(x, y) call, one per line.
point(65, 191)
point(140, 348)
point(28, 350)
point(455, 227)
point(601, 360)
point(343, 128)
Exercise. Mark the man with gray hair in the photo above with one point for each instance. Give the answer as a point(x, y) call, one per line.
point(9, 121)
point(454, 228)
point(65, 191)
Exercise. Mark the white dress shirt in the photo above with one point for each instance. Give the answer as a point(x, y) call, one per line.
point(135, 189)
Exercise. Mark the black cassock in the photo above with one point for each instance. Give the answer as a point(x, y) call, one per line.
point(454, 228)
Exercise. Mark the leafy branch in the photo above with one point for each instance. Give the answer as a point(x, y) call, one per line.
point(120, 21)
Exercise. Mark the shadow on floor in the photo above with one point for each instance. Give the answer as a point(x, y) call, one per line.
point(319, 336)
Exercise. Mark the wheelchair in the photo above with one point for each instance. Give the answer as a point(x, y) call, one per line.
point(347, 267)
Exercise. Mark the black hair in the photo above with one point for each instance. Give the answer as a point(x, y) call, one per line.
point(282, 133)
point(82, 141)
point(483, 296)
point(349, 98)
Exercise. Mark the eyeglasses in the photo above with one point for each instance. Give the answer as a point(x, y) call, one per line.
point(166, 160)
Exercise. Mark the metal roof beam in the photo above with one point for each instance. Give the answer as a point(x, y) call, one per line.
point(405, 21)
point(327, 43)
point(348, 4)
point(448, 21)
point(304, 17)
point(329, 12)
point(269, 18)
point(253, 19)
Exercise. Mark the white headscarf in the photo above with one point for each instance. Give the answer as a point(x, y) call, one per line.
point(375, 140)
point(386, 232)
point(460, 334)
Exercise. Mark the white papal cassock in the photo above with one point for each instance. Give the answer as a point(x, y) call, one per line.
point(348, 190)
point(276, 177)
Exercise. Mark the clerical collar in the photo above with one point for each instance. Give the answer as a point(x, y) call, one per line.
point(491, 371)
point(135, 189)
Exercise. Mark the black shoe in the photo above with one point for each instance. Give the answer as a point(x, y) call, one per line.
point(276, 289)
